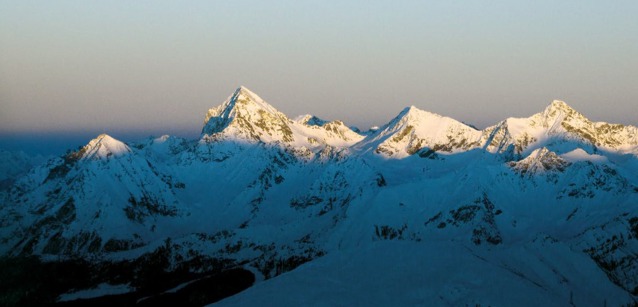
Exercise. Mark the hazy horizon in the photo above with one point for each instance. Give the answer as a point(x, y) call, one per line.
point(133, 69)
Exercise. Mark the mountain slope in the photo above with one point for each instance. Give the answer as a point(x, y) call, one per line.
point(14, 165)
point(560, 128)
point(245, 116)
point(446, 274)
point(103, 147)
point(414, 129)
point(268, 193)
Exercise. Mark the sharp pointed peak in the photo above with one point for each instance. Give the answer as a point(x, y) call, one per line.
point(412, 113)
point(311, 120)
point(241, 98)
point(558, 105)
point(411, 109)
point(242, 104)
point(245, 96)
point(542, 154)
point(103, 137)
point(244, 90)
point(540, 160)
point(407, 111)
point(539, 152)
point(104, 146)
point(559, 110)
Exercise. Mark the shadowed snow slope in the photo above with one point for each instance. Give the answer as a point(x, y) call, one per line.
point(528, 210)
point(440, 274)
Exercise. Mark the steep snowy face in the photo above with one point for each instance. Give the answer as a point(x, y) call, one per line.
point(539, 161)
point(245, 116)
point(414, 129)
point(103, 147)
point(318, 132)
point(562, 120)
point(89, 199)
point(560, 128)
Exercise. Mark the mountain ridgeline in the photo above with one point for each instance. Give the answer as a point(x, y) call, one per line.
point(262, 191)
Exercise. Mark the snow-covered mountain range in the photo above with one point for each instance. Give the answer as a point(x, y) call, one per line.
point(544, 207)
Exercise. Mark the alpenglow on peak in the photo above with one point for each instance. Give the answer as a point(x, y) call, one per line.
point(101, 147)
point(243, 108)
point(246, 117)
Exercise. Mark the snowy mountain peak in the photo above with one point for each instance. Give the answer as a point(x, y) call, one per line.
point(539, 161)
point(411, 116)
point(310, 120)
point(103, 147)
point(409, 109)
point(246, 97)
point(245, 115)
point(560, 128)
point(242, 103)
point(413, 113)
point(562, 120)
point(414, 129)
point(559, 104)
point(548, 201)
point(560, 111)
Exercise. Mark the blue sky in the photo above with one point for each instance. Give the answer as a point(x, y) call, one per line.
point(134, 68)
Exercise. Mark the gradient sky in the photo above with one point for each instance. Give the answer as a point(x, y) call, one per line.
point(133, 68)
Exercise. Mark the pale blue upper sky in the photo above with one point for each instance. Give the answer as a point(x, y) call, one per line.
point(156, 66)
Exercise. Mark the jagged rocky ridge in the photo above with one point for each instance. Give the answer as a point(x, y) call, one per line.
point(261, 190)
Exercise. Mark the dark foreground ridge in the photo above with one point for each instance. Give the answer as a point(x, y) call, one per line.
point(27, 281)
point(204, 291)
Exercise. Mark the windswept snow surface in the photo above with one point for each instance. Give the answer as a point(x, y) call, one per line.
point(391, 273)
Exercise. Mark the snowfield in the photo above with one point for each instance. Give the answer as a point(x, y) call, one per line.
point(398, 273)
